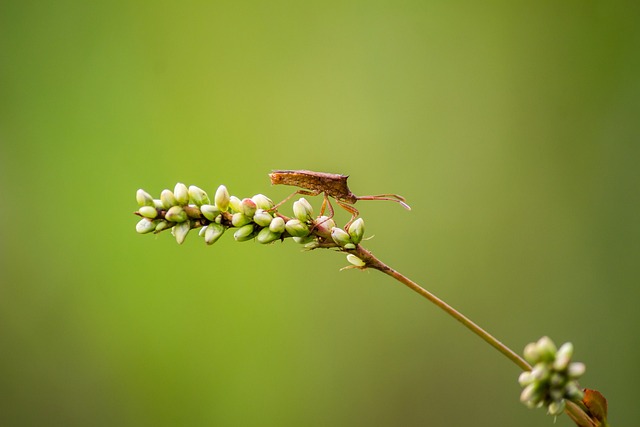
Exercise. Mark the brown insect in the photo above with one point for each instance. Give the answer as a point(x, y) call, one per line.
point(331, 185)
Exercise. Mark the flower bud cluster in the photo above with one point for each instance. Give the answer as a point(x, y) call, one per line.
point(254, 218)
point(553, 377)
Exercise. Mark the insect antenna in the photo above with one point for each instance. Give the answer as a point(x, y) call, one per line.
point(393, 197)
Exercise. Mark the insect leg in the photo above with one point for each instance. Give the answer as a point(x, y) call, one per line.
point(393, 197)
point(303, 192)
point(349, 208)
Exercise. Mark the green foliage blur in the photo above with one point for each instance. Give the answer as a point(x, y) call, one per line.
point(512, 128)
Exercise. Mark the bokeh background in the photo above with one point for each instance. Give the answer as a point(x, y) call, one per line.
point(512, 129)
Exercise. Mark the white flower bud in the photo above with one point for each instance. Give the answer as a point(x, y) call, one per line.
point(210, 211)
point(221, 198)
point(145, 226)
point(277, 225)
point(168, 199)
point(303, 210)
point(198, 196)
point(143, 198)
point(262, 202)
point(563, 356)
point(356, 230)
point(213, 233)
point(262, 218)
point(297, 228)
point(148, 212)
point(340, 236)
point(176, 214)
point(547, 349)
point(157, 203)
point(180, 231)
point(239, 219)
point(355, 260)
point(576, 370)
point(181, 193)
point(235, 204)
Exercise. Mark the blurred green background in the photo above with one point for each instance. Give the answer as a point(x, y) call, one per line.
point(512, 129)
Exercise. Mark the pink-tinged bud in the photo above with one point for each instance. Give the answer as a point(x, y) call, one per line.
point(248, 207)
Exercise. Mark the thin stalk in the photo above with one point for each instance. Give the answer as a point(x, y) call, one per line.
point(577, 414)
point(373, 262)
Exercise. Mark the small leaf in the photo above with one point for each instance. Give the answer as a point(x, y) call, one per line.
point(597, 404)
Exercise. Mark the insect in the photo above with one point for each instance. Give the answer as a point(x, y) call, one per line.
point(331, 185)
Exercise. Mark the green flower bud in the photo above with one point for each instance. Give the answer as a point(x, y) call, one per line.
point(297, 228)
point(556, 408)
point(323, 226)
point(213, 233)
point(176, 214)
point(239, 219)
point(350, 246)
point(340, 236)
point(161, 225)
point(180, 231)
point(248, 207)
point(181, 193)
point(531, 395)
point(576, 369)
point(262, 202)
point(143, 198)
point(210, 212)
point(356, 230)
point(304, 240)
point(221, 198)
point(546, 348)
point(198, 196)
point(235, 204)
point(168, 199)
point(573, 393)
point(202, 231)
point(355, 260)
point(262, 218)
point(148, 212)
point(244, 233)
point(145, 226)
point(526, 378)
point(267, 236)
point(531, 353)
point(277, 225)
point(303, 210)
point(540, 372)
point(157, 203)
point(563, 356)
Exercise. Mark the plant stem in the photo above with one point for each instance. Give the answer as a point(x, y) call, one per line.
point(577, 414)
point(373, 262)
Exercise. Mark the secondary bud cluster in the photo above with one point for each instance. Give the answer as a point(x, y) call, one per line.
point(254, 218)
point(553, 378)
